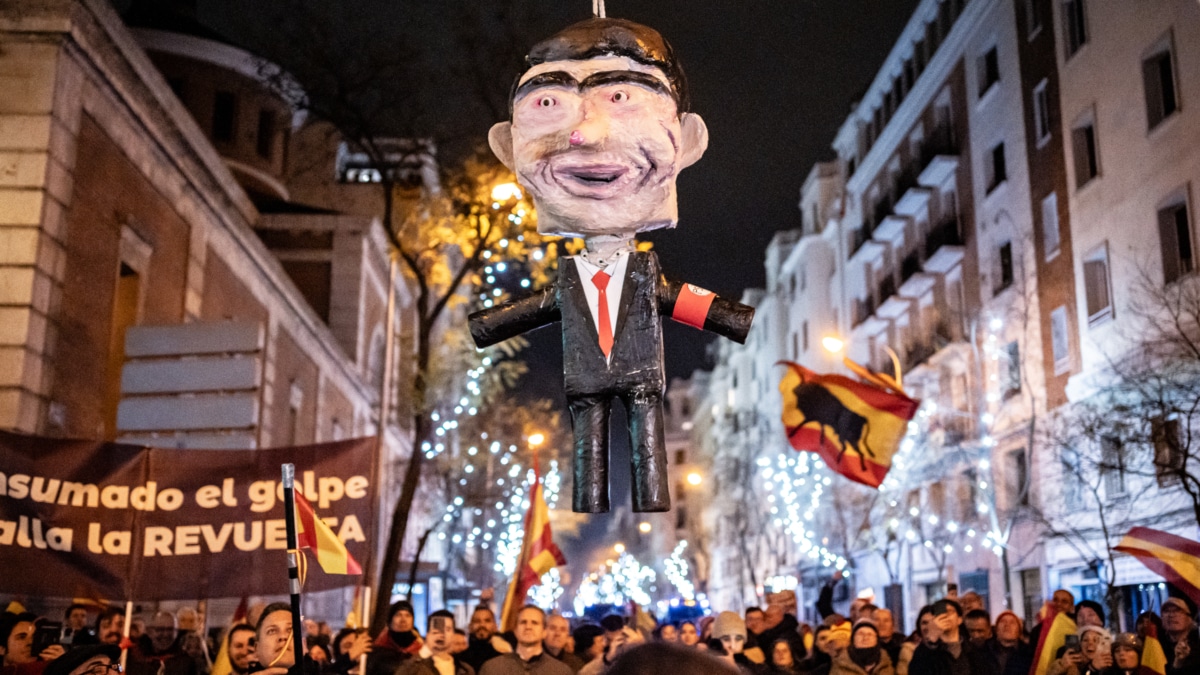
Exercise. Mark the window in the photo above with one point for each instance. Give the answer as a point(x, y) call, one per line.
point(1071, 480)
point(795, 347)
point(1175, 236)
point(1031, 590)
point(989, 70)
point(1004, 268)
point(1033, 16)
point(1087, 158)
point(681, 457)
point(1051, 238)
point(977, 582)
point(997, 171)
point(1112, 465)
point(1158, 76)
point(1041, 113)
point(266, 133)
point(1074, 26)
point(224, 116)
point(1169, 456)
point(1095, 283)
point(1010, 374)
point(804, 334)
point(1059, 340)
point(1019, 484)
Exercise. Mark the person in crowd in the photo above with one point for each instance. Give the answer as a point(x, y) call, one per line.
point(529, 658)
point(165, 655)
point(187, 619)
point(1181, 642)
point(979, 626)
point(705, 627)
point(1079, 661)
point(971, 601)
point(1146, 619)
point(729, 642)
point(137, 627)
point(688, 636)
point(1089, 613)
point(782, 661)
point(239, 645)
point(589, 642)
point(754, 622)
point(92, 659)
point(319, 653)
point(274, 653)
point(75, 631)
point(558, 634)
point(16, 645)
point(341, 643)
point(943, 648)
point(1008, 649)
point(396, 643)
point(667, 632)
point(485, 642)
point(657, 659)
point(1126, 654)
point(864, 656)
point(438, 642)
point(889, 639)
point(458, 642)
point(819, 660)
point(617, 638)
point(110, 625)
point(781, 625)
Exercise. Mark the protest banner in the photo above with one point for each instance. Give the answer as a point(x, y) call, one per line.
point(94, 519)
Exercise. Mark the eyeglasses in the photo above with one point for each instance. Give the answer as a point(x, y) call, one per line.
point(104, 668)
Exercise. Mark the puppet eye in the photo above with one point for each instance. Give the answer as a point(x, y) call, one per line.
point(620, 97)
point(547, 102)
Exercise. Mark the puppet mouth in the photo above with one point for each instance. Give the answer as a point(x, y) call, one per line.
point(595, 181)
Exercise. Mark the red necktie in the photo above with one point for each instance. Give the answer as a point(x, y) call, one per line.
point(605, 327)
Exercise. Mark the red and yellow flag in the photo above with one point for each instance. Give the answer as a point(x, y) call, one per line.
point(1154, 658)
point(313, 533)
point(855, 427)
point(1056, 626)
point(1172, 557)
point(539, 555)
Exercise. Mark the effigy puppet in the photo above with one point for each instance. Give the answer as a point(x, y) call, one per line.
point(599, 131)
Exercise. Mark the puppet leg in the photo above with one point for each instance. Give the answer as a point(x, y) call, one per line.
point(589, 417)
point(649, 457)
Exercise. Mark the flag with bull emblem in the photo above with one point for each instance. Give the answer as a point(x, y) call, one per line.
point(855, 427)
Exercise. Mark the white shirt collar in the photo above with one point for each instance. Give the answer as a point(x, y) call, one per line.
point(616, 270)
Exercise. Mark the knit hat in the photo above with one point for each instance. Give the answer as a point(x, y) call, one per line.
point(400, 605)
point(862, 624)
point(1084, 630)
point(1129, 641)
point(728, 623)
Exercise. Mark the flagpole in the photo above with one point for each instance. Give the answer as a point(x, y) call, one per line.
point(289, 516)
point(365, 614)
point(125, 633)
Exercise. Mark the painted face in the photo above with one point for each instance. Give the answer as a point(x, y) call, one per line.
point(733, 643)
point(599, 143)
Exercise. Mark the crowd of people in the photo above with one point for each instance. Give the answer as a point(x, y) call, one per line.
point(955, 635)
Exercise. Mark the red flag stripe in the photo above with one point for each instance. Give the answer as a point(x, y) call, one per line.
point(803, 438)
point(1163, 570)
point(1167, 540)
point(884, 401)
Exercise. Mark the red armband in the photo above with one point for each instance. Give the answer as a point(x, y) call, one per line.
point(691, 307)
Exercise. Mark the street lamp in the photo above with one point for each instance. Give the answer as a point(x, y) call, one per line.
point(506, 191)
point(835, 345)
point(536, 439)
point(694, 478)
point(619, 547)
point(644, 527)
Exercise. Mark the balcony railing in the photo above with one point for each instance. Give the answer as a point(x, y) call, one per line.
point(918, 353)
point(946, 234)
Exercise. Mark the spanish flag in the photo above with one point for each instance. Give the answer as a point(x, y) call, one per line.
point(1154, 659)
point(313, 533)
point(539, 555)
point(1056, 626)
point(1170, 556)
point(855, 427)
point(222, 665)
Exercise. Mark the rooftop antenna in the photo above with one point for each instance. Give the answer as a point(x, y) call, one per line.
point(598, 8)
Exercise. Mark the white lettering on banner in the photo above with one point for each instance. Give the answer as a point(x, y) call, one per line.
point(29, 534)
point(113, 543)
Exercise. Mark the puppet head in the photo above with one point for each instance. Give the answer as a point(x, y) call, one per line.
point(600, 130)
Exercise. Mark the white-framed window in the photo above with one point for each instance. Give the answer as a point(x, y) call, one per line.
point(1041, 113)
point(1051, 237)
point(1113, 466)
point(1096, 284)
point(1033, 17)
point(1060, 341)
point(1085, 150)
point(1075, 31)
point(1158, 79)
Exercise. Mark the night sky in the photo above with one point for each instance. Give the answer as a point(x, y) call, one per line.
point(773, 79)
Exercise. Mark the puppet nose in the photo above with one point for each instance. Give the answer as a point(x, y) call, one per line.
point(576, 137)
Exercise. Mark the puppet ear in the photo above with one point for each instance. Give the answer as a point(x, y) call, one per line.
point(694, 141)
point(500, 138)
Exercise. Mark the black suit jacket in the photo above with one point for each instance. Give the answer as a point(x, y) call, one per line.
point(637, 356)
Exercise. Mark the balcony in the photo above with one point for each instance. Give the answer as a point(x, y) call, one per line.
point(918, 353)
point(909, 266)
point(863, 309)
point(942, 141)
point(887, 288)
point(944, 247)
point(857, 239)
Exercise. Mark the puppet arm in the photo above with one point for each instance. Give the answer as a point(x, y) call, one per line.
point(499, 323)
point(705, 310)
